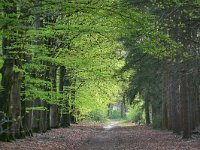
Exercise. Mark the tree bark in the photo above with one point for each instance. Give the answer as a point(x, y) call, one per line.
point(54, 110)
point(65, 114)
point(185, 105)
point(176, 114)
point(11, 80)
point(147, 113)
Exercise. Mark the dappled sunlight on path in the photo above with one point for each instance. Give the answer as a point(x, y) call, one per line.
point(111, 125)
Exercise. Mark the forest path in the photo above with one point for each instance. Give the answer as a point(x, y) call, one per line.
point(111, 125)
point(137, 138)
point(90, 137)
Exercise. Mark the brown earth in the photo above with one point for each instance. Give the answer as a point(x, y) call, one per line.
point(81, 137)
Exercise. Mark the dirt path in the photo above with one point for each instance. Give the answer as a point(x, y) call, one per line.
point(138, 138)
point(97, 138)
point(111, 125)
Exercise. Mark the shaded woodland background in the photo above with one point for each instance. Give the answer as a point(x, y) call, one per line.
point(64, 61)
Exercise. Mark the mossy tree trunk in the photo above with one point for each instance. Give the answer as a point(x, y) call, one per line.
point(10, 98)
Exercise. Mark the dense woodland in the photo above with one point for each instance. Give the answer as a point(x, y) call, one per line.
point(65, 60)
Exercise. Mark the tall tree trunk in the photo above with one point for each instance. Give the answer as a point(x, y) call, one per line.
point(54, 116)
point(156, 116)
point(73, 98)
point(110, 107)
point(123, 108)
point(5, 97)
point(15, 108)
point(175, 109)
point(54, 110)
point(36, 116)
point(147, 113)
point(164, 102)
point(65, 114)
point(27, 117)
point(46, 113)
point(11, 80)
point(169, 101)
point(185, 105)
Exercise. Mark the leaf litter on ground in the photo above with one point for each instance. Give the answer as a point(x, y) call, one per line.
point(95, 137)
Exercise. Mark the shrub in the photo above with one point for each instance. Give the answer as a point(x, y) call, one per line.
point(96, 115)
point(115, 115)
point(135, 114)
point(157, 121)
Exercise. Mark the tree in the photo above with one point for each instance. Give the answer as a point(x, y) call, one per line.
point(173, 45)
point(40, 38)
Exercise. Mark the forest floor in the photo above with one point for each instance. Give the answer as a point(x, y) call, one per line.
point(90, 137)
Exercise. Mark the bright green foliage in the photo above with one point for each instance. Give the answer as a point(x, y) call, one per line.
point(82, 36)
point(136, 112)
point(88, 38)
point(115, 115)
point(97, 115)
point(93, 95)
